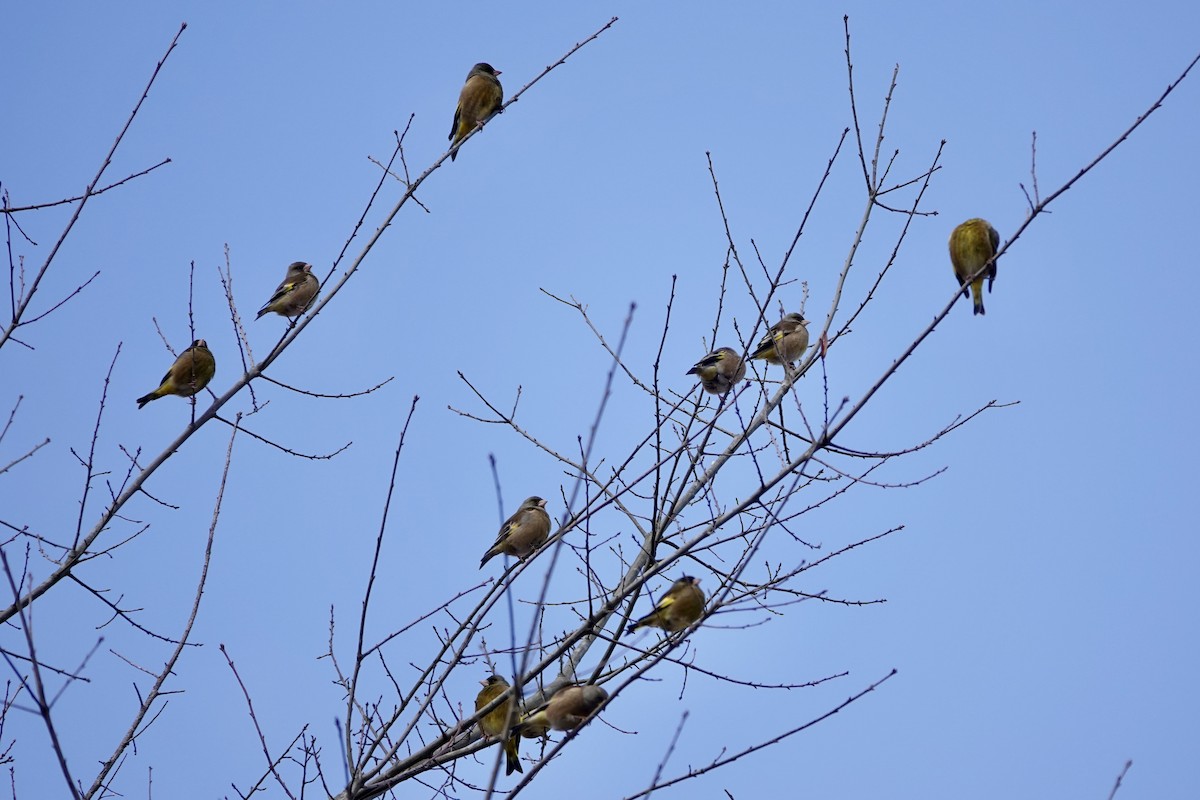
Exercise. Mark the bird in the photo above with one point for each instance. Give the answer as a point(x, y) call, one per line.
point(523, 532)
point(495, 723)
point(190, 373)
point(294, 294)
point(678, 608)
point(481, 96)
point(786, 340)
point(720, 370)
point(973, 244)
point(571, 707)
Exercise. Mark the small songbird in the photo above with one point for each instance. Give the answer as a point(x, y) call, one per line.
point(682, 605)
point(570, 708)
point(494, 723)
point(972, 244)
point(786, 340)
point(293, 296)
point(720, 370)
point(523, 532)
point(190, 373)
point(481, 96)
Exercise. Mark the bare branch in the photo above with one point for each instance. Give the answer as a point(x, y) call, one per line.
point(18, 209)
point(27, 295)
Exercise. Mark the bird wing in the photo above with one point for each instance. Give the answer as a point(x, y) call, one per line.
point(767, 343)
point(285, 288)
point(994, 237)
point(511, 524)
point(708, 362)
point(666, 601)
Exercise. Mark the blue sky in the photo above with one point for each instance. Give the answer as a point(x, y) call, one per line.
point(1038, 599)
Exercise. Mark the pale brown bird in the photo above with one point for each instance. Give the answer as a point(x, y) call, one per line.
point(720, 370)
point(494, 723)
point(571, 707)
point(481, 96)
point(294, 294)
point(786, 340)
point(678, 608)
point(190, 373)
point(972, 244)
point(523, 532)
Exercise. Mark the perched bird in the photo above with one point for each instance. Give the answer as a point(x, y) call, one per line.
point(190, 373)
point(295, 293)
point(720, 370)
point(971, 245)
point(786, 340)
point(570, 708)
point(481, 96)
point(495, 723)
point(682, 605)
point(523, 532)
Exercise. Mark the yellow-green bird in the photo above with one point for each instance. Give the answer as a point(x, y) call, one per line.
point(190, 373)
point(786, 340)
point(481, 96)
point(720, 370)
point(571, 707)
point(972, 244)
point(523, 532)
point(294, 293)
point(682, 605)
point(494, 723)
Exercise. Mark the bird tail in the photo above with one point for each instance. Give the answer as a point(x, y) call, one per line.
point(977, 291)
point(488, 556)
point(512, 756)
point(146, 398)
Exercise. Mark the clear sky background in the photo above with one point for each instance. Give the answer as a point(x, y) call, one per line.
point(1040, 604)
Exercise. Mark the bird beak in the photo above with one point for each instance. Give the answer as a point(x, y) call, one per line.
point(542, 504)
point(498, 72)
